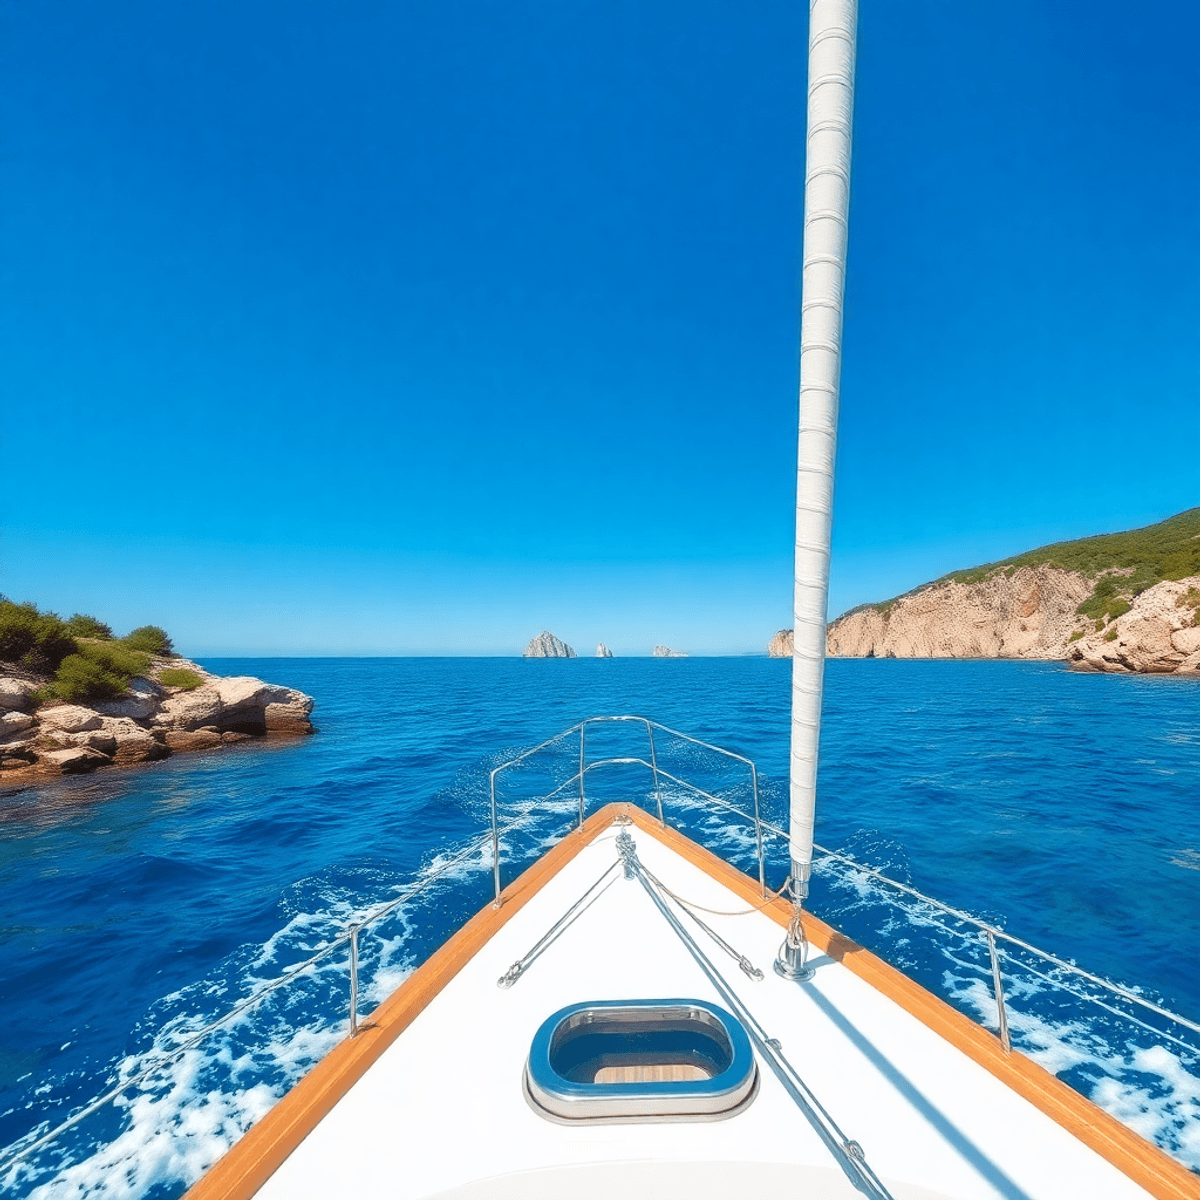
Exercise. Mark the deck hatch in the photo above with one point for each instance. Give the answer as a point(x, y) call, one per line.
point(640, 1061)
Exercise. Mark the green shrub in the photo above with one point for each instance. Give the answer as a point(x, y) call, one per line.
point(1111, 636)
point(98, 672)
point(1075, 636)
point(1190, 599)
point(81, 678)
point(83, 626)
point(150, 639)
point(38, 640)
point(180, 677)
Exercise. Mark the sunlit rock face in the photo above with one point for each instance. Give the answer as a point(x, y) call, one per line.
point(602, 651)
point(1030, 612)
point(1159, 635)
point(780, 646)
point(546, 645)
point(667, 652)
point(1026, 613)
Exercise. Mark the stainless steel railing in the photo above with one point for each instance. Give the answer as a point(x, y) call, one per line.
point(992, 936)
point(651, 765)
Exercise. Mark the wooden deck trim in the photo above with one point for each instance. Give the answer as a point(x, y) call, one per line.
point(263, 1149)
point(1144, 1163)
point(260, 1152)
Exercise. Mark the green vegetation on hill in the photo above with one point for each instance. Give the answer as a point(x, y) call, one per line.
point(37, 640)
point(98, 671)
point(151, 639)
point(83, 626)
point(180, 677)
point(87, 663)
point(1122, 564)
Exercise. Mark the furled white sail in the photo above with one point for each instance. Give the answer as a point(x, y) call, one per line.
point(832, 25)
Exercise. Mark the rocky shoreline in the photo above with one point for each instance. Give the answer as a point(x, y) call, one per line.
point(1026, 613)
point(151, 721)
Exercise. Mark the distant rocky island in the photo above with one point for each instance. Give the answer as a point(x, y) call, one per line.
point(1119, 602)
point(73, 698)
point(546, 645)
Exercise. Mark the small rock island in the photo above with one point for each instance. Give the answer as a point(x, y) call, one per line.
point(74, 698)
point(546, 645)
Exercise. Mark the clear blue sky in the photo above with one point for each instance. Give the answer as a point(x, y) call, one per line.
point(420, 327)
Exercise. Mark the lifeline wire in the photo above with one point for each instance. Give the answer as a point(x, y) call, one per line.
point(554, 932)
point(742, 961)
point(849, 1153)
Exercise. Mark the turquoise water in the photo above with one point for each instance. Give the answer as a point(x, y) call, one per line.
point(139, 905)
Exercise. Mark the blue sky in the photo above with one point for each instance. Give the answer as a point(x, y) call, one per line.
point(421, 327)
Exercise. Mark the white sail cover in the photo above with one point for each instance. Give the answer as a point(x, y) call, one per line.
point(832, 25)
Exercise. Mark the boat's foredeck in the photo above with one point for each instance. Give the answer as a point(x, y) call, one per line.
point(442, 1111)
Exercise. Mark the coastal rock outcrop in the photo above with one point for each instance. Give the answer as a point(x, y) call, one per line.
point(602, 651)
point(780, 646)
point(546, 645)
point(151, 721)
point(1159, 635)
point(667, 652)
point(1026, 612)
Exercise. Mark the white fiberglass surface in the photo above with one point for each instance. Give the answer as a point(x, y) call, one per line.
point(442, 1112)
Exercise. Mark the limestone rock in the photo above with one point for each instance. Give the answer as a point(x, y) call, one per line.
point(546, 645)
point(1028, 612)
point(14, 724)
point(1157, 636)
point(291, 715)
point(95, 739)
point(190, 710)
point(133, 744)
point(138, 708)
point(193, 739)
point(780, 646)
point(141, 703)
point(602, 651)
point(75, 760)
point(70, 718)
point(14, 694)
point(667, 652)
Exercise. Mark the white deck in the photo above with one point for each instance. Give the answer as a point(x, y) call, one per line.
point(442, 1114)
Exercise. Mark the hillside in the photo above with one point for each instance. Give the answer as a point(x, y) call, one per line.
point(1115, 602)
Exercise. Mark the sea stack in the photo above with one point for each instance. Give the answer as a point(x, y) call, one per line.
point(546, 645)
point(602, 651)
point(780, 646)
point(667, 652)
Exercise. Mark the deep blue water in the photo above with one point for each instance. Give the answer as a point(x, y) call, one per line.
point(138, 905)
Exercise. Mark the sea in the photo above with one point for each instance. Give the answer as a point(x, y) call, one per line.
point(139, 909)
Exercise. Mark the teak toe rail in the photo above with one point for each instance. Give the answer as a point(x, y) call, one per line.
point(252, 1161)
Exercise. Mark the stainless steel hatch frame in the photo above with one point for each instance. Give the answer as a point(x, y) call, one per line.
point(627, 1038)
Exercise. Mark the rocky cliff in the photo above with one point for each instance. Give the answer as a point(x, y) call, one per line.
point(667, 652)
point(781, 645)
point(1160, 634)
point(602, 651)
point(1032, 612)
point(151, 721)
point(1028, 613)
point(1123, 601)
point(546, 645)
